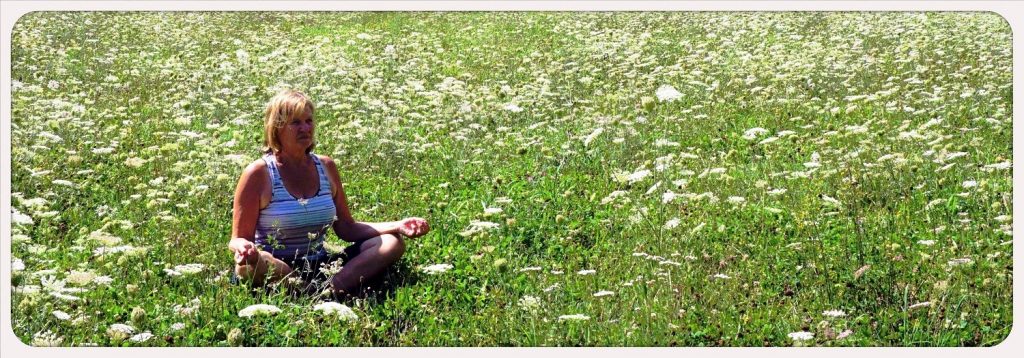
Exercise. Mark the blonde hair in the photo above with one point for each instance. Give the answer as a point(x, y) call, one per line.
point(282, 108)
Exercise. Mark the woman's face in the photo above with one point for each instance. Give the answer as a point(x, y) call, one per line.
point(297, 133)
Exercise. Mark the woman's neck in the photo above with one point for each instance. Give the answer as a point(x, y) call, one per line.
point(291, 158)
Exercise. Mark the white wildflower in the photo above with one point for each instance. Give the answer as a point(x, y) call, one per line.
point(801, 336)
point(61, 315)
point(27, 289)
point(933, 203)
point(529, 303)
point(17, 218)
point(667, 93)
point(661, 142)
point(638, 175)
point(672, 223)
point(612, 196)
point(56, 288)
point(436, 268)
point(343, 312)
point(80, 278)
point(573, 317)
point(189, 268)
point(653, 188)
point(831, 201)
point(753, 133)
point(188, 309)
point(668, 197)
point(259, 309)
point(134, 162)
point(919, 305)
point(46, 339)
point(492, 211)
point(834, 313)
point(483, 224)
point(514, 108)
point(999, 166)
point(50, 136)
point(593, 135)
point(958, 262)
point(141, 337)
point(603, 293)
point(104, 238)
point(99, 251)
point(697, 228)
point(121, 328)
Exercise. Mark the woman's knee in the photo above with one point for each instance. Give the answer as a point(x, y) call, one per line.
point(265, 266)
point(392, 246)
point(248, 270)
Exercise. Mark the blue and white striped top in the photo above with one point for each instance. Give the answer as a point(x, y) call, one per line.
point(289, 227)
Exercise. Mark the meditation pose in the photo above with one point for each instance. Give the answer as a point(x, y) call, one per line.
point(286, 201)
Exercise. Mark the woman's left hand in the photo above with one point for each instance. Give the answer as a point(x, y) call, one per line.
point(413, 227)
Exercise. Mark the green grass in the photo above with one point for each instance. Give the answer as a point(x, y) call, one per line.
point(905, 111)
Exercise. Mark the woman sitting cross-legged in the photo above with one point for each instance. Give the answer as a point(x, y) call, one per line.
point(286, 201)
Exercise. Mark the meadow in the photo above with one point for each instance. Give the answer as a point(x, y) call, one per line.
point(591, 179)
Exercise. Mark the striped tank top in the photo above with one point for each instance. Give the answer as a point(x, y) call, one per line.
point(290, 227)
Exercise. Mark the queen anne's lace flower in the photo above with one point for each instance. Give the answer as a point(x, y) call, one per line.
point(343, 312)
point(258, 310)
point(573, 317)
point(667, 93)
point(801, 336)
point(436, 268)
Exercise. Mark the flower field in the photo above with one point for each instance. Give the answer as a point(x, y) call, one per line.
point(591, 179)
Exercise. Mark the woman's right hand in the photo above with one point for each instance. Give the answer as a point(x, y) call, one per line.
point(245, 251)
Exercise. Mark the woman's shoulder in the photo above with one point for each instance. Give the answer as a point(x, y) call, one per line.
point(256, 169)
point(258, 164)
point(328, 162)
point(331, 169)
point(255, 180)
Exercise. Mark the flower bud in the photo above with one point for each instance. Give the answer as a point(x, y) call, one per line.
point(235, 337)
point(138, 315)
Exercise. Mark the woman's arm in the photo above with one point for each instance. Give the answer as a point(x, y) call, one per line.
point(246, 211)
point(348, 229)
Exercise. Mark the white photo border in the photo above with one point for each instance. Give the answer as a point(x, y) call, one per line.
point(11, 11)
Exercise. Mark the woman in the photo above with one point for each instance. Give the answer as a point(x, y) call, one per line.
point(286, 201)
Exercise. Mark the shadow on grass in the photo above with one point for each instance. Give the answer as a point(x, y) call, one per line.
point(375, 291)
point(383, 287)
